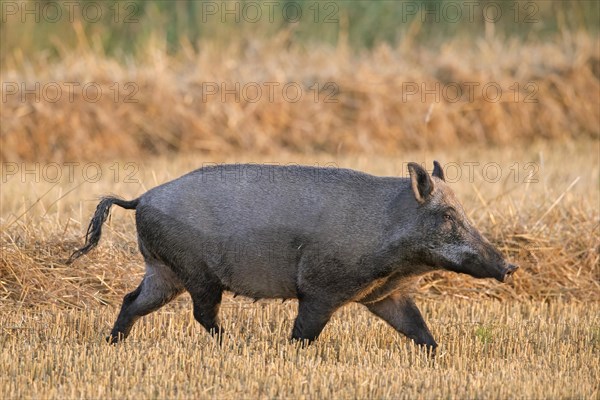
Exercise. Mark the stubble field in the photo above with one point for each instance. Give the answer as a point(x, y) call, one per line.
point(537, 336)
point(487, 349)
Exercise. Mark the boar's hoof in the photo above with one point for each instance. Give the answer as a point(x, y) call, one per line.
point(431, 348)
point(302, 342)
point(217, 333)
point(115, 338)
point(432, 351)
point(429, 345)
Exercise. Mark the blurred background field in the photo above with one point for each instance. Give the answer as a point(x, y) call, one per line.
point(335, 77)
point(125, 29)
point(118, 97)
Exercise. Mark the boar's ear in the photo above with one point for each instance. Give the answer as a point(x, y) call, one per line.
point(438, 172)
point(421, 182)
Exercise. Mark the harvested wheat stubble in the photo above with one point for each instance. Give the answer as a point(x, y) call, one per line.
point(487, 349)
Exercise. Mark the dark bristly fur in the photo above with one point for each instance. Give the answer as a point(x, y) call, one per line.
point(325, 236)
point(94, 230)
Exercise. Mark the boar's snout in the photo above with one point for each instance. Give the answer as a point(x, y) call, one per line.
point(483, 260)
point(499, 268)
point(508, 272)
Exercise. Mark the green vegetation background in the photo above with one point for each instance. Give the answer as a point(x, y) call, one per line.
point(125, 27)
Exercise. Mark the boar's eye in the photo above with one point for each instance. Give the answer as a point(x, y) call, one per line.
point(448, 217)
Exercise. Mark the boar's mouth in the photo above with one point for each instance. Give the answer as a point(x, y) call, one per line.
point(477, 270)
point(501, 274)
point(508, 272)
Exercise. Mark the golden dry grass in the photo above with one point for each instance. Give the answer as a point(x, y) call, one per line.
point(488, 349)
point(374, 111)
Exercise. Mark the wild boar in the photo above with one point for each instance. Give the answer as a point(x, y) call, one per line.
point(324, 236)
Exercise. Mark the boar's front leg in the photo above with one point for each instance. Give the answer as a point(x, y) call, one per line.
point(401, 312)
point(313, 315)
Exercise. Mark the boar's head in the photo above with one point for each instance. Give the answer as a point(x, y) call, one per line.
point(445, 238)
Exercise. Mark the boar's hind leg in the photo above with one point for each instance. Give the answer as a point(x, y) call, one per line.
point(159, 286)
point(312, 317)
point(401, 312)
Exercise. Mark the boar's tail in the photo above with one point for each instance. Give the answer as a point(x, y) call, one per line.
point(94, 230)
